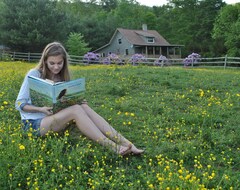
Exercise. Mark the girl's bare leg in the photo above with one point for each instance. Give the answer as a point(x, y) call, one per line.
point(104, 126)
point(57, 122)
point(108, 130)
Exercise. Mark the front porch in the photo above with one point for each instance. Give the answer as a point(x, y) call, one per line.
point(156, 51)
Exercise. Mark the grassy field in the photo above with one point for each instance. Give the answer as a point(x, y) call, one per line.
point(187, 120)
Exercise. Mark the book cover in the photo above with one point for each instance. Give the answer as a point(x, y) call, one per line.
point(57, 95)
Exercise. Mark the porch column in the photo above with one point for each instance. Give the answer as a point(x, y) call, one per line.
point(146, 51)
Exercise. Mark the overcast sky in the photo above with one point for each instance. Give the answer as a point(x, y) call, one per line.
point(151, 3)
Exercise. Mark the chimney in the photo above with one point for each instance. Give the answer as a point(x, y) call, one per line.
point(144, 27)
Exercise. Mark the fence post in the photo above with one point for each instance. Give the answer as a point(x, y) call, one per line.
point(14, 56)
point(29, 56)
point(192, 61)
point(2, 52)
point(225, 62)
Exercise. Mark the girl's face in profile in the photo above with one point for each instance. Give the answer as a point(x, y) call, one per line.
point(55, 64)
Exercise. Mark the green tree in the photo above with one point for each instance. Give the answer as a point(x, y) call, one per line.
point(76, 44)
point(89, 19)
point(129, 14)
point(207, 10)
point(227, 29)
point(78, 8)
point(190, 23)
point(185, 22)
point(109, 5)
point(164, 19)
point(1, 5)
point(28, 25)
point(98, 29)
point(150, 19)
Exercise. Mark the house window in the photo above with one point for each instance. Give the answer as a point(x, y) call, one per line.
point(150, 39)
point(119, 41)
point(126, 51)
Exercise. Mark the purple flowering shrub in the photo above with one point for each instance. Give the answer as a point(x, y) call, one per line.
point(137, 58)
point(192, 58)
point(161, 61)
point(91, 57)
point(112, 58)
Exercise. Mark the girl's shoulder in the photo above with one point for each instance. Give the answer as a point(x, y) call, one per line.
point(34, 72)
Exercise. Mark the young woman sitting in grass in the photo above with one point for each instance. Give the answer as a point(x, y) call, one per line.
point(53, 65)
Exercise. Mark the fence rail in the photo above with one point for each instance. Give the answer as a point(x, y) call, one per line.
point(215, 61)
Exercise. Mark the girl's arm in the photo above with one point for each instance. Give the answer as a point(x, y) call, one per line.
point(23, 102)
point(32, 109)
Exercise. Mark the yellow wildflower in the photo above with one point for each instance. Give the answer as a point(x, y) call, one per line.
point(21, 147)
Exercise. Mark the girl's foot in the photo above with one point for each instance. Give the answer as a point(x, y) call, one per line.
point(136, 151)
point(124, 150)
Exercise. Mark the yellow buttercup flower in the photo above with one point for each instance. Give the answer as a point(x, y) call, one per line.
point(201, 93)
point(18, 103)
point(21, 147)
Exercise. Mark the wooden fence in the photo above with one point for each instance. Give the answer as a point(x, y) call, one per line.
point(216, 61)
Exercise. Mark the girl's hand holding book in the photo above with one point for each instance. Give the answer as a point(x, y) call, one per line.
point(46, 110)
point(84, 101)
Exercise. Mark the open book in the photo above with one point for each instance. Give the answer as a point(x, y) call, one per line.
point(57, 95)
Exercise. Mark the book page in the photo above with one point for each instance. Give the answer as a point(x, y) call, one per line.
point(69, 93)
point(69, 89)
point(57, 95)
point(41, 92)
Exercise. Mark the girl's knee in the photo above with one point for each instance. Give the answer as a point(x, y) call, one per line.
point(76, 108)
point(84, 106)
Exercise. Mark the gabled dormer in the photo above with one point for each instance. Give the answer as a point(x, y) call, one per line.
point(147, 37)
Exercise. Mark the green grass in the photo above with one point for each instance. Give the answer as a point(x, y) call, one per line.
point(187, 120)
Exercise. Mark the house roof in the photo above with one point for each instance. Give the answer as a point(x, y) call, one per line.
point(134, 37)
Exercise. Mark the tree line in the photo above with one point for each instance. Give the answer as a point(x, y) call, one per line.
point(207, 27)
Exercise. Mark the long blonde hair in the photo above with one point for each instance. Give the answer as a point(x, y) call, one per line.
point(54, 49)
